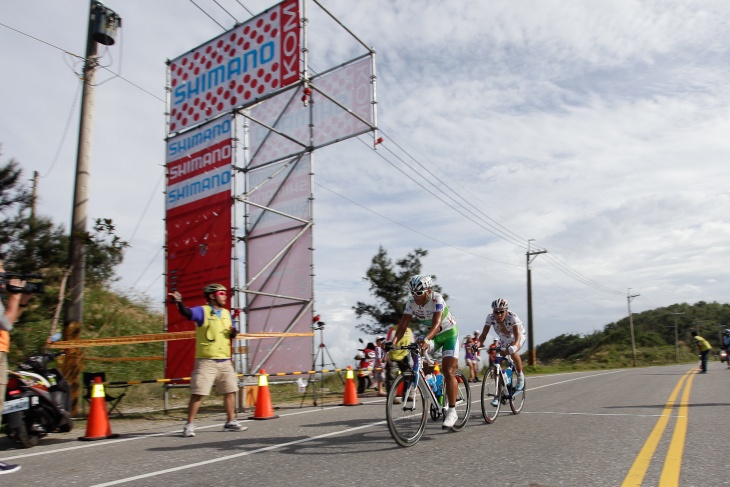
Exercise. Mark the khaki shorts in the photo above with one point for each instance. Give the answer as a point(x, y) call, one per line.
point(208, 372)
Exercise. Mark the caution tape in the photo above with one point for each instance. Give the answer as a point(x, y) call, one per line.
point(277, 374)
point(162, 337)
point(123, 359)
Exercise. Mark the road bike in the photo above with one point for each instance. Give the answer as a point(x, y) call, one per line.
point(410, 400)
point(498, 388)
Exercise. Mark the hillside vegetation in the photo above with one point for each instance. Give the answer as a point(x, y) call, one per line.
point(654, 336)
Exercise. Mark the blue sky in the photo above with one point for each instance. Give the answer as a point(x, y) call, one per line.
point(598, 129)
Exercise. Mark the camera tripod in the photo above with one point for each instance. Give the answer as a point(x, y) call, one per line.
point(321, 351)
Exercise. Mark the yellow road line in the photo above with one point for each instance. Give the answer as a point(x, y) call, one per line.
point(673, 461)
point(638, 470)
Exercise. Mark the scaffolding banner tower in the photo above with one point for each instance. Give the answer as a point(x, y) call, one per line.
point(237, 92)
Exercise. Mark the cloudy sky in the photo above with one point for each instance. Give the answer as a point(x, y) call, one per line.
point(598, 129)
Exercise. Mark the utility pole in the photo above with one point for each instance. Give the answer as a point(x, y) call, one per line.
point(629, 297)
point(531, 354)
point(101, 29)
point(676, 338)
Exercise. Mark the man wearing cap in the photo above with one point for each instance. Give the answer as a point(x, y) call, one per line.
point(492, 351)
point(213, 365)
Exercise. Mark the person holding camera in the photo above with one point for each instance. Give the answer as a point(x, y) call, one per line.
point(213, 365)
point(16, 301)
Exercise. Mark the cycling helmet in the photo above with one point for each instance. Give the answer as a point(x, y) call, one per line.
point(500, 303)
point(211, 288)
point(726, 332)
point(420, 283)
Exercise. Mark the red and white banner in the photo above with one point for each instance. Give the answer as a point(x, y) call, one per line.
point(236, 68)
point(198, 223)
point(351, 87)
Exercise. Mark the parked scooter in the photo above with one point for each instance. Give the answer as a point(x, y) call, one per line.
point(365, 366)
point(37, 401)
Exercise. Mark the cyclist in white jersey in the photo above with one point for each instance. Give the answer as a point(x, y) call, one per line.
point(429, 308)
point(511, 332)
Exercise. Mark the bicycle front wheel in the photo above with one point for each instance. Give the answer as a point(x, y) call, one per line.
point(517, 399)
point(406, 409)
point(463, 401)
point(491, 395)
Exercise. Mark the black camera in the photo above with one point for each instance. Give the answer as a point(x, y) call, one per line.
point(31, 287)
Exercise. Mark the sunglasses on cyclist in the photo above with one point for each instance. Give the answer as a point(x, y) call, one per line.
point(499, 311)
point(419, 293)
point(221, 293)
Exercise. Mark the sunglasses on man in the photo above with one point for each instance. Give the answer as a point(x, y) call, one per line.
point(419, 293)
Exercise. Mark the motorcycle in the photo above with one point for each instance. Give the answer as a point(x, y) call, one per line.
point(724, 357)
point(37, 401)
point(365, 366)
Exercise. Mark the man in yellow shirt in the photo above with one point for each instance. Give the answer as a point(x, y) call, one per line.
point(704, 347)
point(213, 364)
point(396, 359)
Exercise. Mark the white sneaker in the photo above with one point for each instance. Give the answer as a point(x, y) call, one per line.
point(495, 402)
point(189, 430)
point(520, 381)
point(234, 426)
point(450, 419)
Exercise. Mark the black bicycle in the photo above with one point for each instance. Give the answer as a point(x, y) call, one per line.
point(499, 388)
point(410, 400)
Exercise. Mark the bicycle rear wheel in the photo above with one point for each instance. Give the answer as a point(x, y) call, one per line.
point(517, 400)
point(491, 390)
point(463, 401)
point(406, 409)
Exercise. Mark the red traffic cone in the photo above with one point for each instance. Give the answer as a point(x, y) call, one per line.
point(97, 425)
point(350, 389)
point(264, 409)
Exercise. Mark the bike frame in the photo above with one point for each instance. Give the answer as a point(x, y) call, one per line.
point(420, 376)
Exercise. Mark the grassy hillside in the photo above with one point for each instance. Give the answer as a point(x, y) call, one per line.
point(654, 337)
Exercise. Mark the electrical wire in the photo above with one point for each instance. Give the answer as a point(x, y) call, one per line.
point(208, 15)
point(65, 130)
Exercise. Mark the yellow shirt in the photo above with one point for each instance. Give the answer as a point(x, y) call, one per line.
point(407, 339)
point(212, 338)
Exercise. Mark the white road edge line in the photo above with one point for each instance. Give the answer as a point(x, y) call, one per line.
point(237, 455)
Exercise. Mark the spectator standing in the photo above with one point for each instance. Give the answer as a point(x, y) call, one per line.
point(471, 359)
point(396, 360)
point(379, 372)
point(492, 351)
point(703, 347)
point(213, 365)
point(8, 317)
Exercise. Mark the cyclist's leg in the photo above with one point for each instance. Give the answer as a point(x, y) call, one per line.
point(518, 363)
point(448, 342)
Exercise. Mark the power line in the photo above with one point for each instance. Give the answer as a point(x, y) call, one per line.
point(208, 15)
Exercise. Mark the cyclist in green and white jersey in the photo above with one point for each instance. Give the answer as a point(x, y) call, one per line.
point(429, 308)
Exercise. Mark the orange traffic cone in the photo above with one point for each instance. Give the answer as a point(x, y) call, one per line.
point(97, 425)
point(264, 409)
point(350, 389)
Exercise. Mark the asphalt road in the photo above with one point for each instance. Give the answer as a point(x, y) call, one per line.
point(647, 426)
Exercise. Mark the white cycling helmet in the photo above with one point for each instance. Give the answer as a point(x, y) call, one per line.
point(420, 283)
point(500, 303)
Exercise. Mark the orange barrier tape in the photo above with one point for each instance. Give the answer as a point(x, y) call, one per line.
point(123, 359)
point(161, 337)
